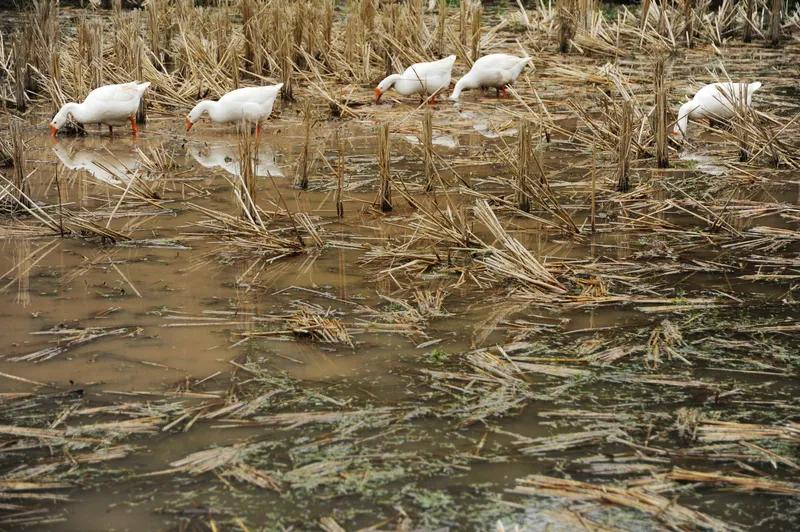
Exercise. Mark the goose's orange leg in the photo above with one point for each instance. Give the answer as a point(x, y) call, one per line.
point(134, 128)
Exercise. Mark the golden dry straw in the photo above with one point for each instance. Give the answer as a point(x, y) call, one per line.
point(385, 179)
point(660, 91)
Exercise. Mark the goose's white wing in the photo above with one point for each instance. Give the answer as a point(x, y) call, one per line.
point(122, 93)
point(433, 68)
point(251, 95)
point(497, 61)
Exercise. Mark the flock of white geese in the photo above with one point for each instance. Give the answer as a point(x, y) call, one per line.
point(114, 105)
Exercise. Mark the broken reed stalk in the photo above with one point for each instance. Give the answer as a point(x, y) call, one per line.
point(6, 152)
point(775, 22)
point(625, 137)
point(565, 20)
point(415, 13)
point(385, 186)
point(18, 160)
point(302, 171)
point(141, 112)
point(594, 190)
point(741, 123)
point(339, 174)
point(748, 22)
point(248, 11)
point(585, 10)
point(93, 52)
point(441, 23)
point(285, 57)
point(328, 11)
point(476, 13)
point(427, 147)
point(521, 197)
point(21, 72)
point(688, 21)
point(248, 150)
point(660, 90)
point(463, 30)
point(645, 12)
point(43, 34)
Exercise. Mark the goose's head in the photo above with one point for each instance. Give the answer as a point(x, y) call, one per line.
point(682, 123)
point(385, 85)
point(196, 113)
point(59, 120)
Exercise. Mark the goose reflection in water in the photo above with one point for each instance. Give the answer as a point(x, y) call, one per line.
point(226, 156)
point(110, 162)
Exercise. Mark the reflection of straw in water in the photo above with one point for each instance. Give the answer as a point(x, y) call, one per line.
point(303, 165)
point(22, 261)
point(246, 190)
point(338, 198)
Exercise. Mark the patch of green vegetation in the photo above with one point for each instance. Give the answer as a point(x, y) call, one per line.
point(429, 500)
point(609, 10)
point(437, 357)
point(393, 307)
point(516, 26)
point(688, 164)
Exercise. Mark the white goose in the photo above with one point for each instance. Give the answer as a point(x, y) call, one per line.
point(250, 104)
point(715, 101)
point(112, 105)
point(419, 78)
point(491, 71)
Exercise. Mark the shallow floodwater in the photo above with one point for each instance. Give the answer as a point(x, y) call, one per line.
point(184, 311)
point(189, 376)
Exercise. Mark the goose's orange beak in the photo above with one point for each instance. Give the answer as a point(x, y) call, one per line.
point(189, 124)
point(53, 130)
point(378, 94)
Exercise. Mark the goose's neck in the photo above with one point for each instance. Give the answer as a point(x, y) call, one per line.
point(77, 111)
point(460, 86)
point(467, 82)
point(388, 82)
point(205, 106)
point(683, 118)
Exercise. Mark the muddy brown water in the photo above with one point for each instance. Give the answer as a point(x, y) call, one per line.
point(186, 280)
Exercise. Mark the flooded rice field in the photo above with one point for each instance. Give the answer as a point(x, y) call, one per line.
point(534, 326)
